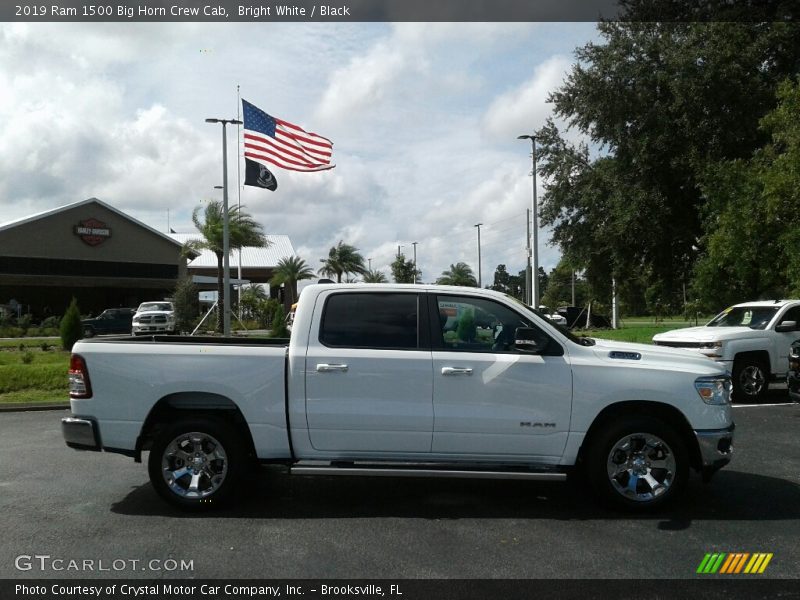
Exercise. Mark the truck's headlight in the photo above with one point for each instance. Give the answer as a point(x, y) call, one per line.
point(711, 345)
point(715, 389)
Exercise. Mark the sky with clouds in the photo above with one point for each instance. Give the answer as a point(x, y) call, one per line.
point(424, 118)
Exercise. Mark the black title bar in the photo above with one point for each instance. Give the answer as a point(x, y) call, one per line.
point(221, 11)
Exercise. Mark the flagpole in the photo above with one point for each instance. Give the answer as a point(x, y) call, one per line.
point(239, 189)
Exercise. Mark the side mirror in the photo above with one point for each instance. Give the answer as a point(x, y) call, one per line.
point(786, 326)
point(527, 339)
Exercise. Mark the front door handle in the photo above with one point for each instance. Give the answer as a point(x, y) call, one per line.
point(326, 368)
point(456, 371)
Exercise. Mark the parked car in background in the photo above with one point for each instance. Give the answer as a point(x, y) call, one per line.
point(751, 339)
point(111, 320)
point(154, 317)
point(793, 378)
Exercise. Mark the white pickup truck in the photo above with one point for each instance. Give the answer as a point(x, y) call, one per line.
point(376, 381)
point(752, 340)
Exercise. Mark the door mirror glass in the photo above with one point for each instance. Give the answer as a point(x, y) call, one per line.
point(527, 339)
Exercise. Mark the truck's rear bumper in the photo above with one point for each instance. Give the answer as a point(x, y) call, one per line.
point(716, 449)
point(81, 434)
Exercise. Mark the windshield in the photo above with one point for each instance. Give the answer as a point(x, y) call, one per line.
point(754, 317)
point(583, 341)
point(148, 306)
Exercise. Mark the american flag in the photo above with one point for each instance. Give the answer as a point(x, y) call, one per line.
point(272, 140)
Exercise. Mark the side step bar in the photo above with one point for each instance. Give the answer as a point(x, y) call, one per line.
point(389, 471)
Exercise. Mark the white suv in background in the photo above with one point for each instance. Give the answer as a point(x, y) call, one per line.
point(752, 340)
point(154, 317)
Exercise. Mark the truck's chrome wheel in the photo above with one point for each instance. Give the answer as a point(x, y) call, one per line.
point(194, 465)
point(641, 467)
point(751, 380)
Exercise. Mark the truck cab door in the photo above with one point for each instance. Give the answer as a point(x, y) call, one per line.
point(492, 401)
point(369, 387)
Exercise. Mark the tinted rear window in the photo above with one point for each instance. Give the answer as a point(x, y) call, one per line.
point(371, 321)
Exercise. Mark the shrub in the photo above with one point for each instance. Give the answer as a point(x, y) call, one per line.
point(185, 297)
point(466, 327)
point(51, 322)
point(27, 357)
point(45, 347)
point(279, 323)
point(71, 326)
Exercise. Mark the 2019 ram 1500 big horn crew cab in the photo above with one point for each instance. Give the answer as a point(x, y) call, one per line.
point(375, 382)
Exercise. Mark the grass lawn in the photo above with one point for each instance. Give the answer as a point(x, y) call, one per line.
point(32, 374)
point(640, 329)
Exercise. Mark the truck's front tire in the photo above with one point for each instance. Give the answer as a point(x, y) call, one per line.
point(637, 463)
point(750, 379)
point(196, 463)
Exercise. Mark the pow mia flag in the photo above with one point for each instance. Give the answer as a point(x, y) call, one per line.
point(258, 175)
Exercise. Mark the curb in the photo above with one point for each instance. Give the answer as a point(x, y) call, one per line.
point(33, 407)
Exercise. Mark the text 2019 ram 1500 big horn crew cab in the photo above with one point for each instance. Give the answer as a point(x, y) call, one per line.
point(404, 380)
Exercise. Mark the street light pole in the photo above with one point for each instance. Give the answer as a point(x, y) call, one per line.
point(479, 254)
point(534, 228)
point(226, 283)
point(415, 260)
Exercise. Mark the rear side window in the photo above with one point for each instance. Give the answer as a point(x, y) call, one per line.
point(387, 321)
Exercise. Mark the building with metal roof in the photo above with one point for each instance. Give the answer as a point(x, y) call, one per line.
point(107, 259)
point(258, 264)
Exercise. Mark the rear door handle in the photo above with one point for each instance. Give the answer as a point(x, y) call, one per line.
point(327, 368)
point(456, 371)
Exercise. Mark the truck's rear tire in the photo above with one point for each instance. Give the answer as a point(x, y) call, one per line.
point(637, 463)
point(197, 463)
point(750, 379)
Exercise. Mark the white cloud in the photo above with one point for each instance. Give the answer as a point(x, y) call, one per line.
point(423, 117)
point(525, 107)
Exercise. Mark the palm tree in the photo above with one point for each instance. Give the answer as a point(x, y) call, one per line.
point(343, 259)
point(243, 231)
point(375, 277)
point(289, 271)
point(459, 274)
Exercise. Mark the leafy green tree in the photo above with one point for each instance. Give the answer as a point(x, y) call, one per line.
point(70, 328)
point(343, 259)
point(753, 217)
point(186, 300)
point(403, 270)
point(667, 101)
point(502, 280)
point(458, 274)
point(288, 272)
point(243, 231)
point(375, 277)
point(559, 288)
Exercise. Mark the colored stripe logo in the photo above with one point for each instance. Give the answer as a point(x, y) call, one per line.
point(734, 563)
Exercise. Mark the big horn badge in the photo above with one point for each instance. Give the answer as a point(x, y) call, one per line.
point(92, 231)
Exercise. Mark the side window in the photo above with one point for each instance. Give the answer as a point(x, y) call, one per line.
point(477, 325)
point(793, 314)
point(371, 320)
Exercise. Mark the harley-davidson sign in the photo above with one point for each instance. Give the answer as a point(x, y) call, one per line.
point(92, 231)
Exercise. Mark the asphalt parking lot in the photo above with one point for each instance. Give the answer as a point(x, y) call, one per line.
point(80, 506)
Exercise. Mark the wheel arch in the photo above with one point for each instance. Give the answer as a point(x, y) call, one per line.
point(761, 355)
point(665, 412)
point(192, 404)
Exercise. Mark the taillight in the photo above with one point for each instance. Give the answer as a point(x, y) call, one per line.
point(79, 384)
